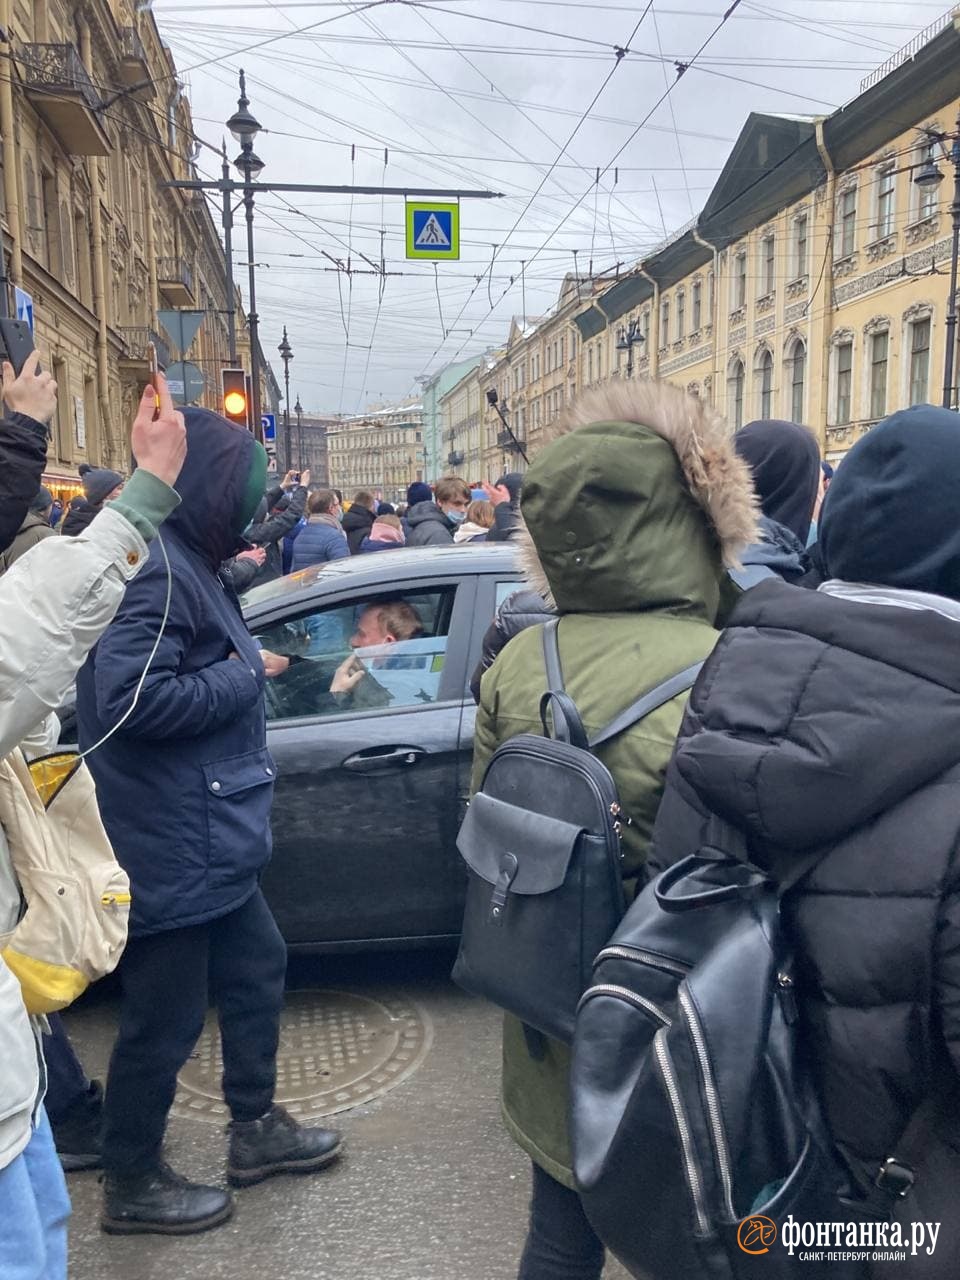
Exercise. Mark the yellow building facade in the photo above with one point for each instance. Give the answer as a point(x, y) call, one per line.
point(94, 122)
point(381, 452)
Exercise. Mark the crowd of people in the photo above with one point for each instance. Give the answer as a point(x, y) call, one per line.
point(822, 606)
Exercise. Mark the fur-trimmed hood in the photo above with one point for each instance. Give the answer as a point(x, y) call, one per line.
point(640, 502)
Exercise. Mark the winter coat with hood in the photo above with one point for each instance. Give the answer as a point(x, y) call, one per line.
point(321, 539)
point(276, 515)
point(185, 786)
point(429, 527)
point(34, 529)
point(52, 610)
point(636, 573)
point(830, 720)
point(506, 515)
point(357, 523)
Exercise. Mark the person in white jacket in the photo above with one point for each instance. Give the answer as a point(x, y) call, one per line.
point(55, 602)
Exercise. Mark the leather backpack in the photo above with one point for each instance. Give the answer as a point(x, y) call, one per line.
point(541, 841)
point(695, 1124)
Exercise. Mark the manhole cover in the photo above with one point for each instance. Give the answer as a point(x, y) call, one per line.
point(337, 1050)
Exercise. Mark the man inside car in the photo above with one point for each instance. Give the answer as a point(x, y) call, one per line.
point(378, 627)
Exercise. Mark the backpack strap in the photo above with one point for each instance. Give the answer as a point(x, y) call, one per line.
point(567, 725)
point(662, 693)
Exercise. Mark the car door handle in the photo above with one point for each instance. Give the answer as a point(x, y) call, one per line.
point(377, 758)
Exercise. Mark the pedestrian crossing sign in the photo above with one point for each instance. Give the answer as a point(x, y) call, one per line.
point(433, 231)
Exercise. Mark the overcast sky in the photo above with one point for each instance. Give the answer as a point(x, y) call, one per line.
point(474, 94)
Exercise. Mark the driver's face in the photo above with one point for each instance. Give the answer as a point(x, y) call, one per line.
point(369, 631)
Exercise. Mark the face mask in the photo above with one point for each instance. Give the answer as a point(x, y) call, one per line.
point(456, 516)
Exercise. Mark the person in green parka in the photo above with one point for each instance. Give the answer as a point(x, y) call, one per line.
point(632, 517)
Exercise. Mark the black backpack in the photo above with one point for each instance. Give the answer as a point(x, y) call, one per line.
point(695, 1125)
point(541, 841)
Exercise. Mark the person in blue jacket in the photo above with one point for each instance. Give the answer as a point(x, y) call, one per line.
point(321, 539)
point(185, 786)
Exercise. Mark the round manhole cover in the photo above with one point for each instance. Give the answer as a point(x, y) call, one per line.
point(337, 1050)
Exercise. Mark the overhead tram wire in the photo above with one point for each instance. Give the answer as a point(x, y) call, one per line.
point(673, 114)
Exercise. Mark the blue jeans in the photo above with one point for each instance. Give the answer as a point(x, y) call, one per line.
point(34, 1208)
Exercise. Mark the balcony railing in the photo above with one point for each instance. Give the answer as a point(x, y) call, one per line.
point(175, 281)
point(59, 87)
point(455, 457)
point(506, 441)
point(136, 340)
point(132, 46)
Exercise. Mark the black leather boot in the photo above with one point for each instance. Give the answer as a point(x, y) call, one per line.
point(76, 1133)
point(276, 1144)
point(161, 1202)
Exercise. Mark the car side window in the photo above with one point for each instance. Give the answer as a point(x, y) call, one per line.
point(506, 589)
point(373, 653)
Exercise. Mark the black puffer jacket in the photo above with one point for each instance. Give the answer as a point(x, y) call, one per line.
point(525, 608)
point(357, 523)
point(823, 722)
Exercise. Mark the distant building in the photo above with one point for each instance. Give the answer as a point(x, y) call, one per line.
point(382, 451)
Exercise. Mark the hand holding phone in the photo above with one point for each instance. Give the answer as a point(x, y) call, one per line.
point(154, 378)
point(32, 391)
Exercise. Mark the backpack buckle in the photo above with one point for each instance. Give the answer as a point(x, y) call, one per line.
point(509, 866)
point(896, 1178)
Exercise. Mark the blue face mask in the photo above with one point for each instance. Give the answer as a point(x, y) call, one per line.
point(456, 516)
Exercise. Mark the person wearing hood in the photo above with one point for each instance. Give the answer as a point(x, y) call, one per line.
point(829, 721)
point(277, 514)
point(35, 527)
point(416, 492)
point(632, 518)
point(322, 539)
point(784, 460)
point(99, 486)
point(358, 521)
point(433, 524)
point(185, 787)
point(505, 496)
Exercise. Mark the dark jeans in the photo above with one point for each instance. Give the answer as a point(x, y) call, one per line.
point(67, 1081)
point(561, 1244)
point(238, 963)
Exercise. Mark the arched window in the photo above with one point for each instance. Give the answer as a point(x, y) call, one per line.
point(736, 379)
point(766, 385)
point(798, 374)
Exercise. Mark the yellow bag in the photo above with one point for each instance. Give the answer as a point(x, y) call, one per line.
point(76, 896)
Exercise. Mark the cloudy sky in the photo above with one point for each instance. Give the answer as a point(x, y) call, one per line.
point(523, 97)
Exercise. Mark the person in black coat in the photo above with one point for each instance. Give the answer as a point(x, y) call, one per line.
point(278, 513)
point(358, 521)
point(185, 786)
point(830, 720)
point(99, 486)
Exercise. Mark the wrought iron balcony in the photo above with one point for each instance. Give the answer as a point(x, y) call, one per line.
point(134, 67)
point(175, 281)
point(136, 340)
point(455, 458)
point(506, 441)
point(62, 92)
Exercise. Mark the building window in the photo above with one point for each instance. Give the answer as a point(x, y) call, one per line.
point(589, 365)
point(766, 385)
point(848, 223)
point(919, 361)
point(798, 373)
point(681, 315)
point(735, 386)
point(844, 381)
point(767, 265)
point(800, 246)
point(886, 196)
point(739, 281)
point(879, 349)
point(664, 322)
point(710, 284)
point(695, 306)
point(51, 222)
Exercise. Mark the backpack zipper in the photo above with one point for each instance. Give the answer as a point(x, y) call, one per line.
point(694, 1185)
point(713, 1099)
point(623, 952)
point(624, 993)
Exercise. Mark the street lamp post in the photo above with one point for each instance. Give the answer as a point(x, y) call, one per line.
point(627, 339)
point(244, 126)
point(298, 410)
point(931, 175)
point(286, 355)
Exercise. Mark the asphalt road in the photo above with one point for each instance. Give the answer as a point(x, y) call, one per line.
point(431, 1187)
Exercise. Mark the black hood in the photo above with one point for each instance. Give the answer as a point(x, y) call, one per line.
point(892, 512)
point(426, 511)
point(816, 714)
point(784, 459)
point(221, 481)
point(358, 518)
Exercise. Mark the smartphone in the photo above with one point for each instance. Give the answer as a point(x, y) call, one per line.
point(296, 477)
point(18, 342)
point(154, 377)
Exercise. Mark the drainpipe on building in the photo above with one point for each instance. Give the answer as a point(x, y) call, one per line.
point(826, 309)
point(714, 316)
point(152, 261)
point(11, 164)
point(653, 338)
point(105, 435)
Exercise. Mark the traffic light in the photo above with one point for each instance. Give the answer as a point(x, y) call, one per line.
point(236, 402)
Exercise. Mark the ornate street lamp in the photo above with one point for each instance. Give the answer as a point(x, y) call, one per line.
point(286, 355)
point(244, 126)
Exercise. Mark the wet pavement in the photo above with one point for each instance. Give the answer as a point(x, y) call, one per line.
point(431, 1187)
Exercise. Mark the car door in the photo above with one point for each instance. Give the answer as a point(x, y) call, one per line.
point(365, 813)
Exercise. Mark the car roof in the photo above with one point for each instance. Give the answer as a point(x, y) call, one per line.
point(370, 567)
